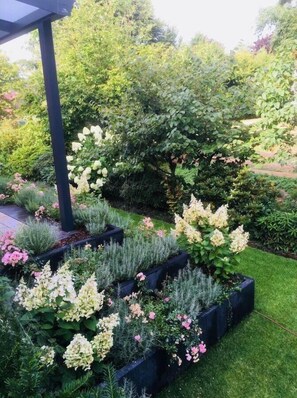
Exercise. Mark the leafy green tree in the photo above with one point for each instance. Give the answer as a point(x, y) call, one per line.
point(176, 113)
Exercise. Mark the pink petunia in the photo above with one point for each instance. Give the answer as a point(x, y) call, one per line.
point(137, 338)
point(202, 348)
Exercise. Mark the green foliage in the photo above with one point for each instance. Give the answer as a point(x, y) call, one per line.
point(115, 262)
point(125, 349)
point(252, 196)
point(29, 198)
point(36, 237)
point(192, 291)
point(43, 169)
point(136, 188)
point(278, 231)
point(32, 143)
point(96, 217)
point(214, 183)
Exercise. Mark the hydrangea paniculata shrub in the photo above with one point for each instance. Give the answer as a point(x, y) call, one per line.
point(86, 164)
point(61, 312)
point(205, 235)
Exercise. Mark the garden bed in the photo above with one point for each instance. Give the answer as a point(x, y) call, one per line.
point(56, 255)
point(155, 371)
point(156, 276)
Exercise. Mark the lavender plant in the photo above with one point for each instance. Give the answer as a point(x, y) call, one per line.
point(36, 237)
point(193, 291)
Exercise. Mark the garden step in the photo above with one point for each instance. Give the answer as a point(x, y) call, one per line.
point(8, 223)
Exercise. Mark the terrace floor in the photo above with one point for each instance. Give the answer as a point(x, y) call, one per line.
point(11, 218)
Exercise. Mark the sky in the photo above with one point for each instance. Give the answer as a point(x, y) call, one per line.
point(227, 21)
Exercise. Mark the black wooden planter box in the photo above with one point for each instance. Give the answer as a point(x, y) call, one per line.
point(56, 255)
point(155, 276)
point(155, 372)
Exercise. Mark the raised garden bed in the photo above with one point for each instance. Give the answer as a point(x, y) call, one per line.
point(155, 371)
point(54, 256)
point(155, 276)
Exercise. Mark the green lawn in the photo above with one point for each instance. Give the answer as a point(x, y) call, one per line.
point(258, 358)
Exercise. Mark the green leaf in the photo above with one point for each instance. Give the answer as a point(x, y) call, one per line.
point(69, 325)
point(91, 324)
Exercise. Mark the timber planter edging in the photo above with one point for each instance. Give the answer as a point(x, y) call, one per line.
point(155, 371)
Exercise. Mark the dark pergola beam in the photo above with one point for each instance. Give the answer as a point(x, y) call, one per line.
point(59, 7)
point(55, 120)
point(7, 26)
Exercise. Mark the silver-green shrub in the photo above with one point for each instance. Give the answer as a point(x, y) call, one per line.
point(137, 254)
point(37, 237)
point(96, 217)
point(115, 263)
point(193, 291)
point(28, 198)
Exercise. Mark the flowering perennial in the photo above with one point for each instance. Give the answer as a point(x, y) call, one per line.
point(10, 254)
point(205, 235)
point(86, 166)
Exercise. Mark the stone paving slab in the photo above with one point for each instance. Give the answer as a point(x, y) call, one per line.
point(8, 223)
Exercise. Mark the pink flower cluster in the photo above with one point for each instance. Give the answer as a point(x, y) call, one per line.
point(148, 223)
point(11, 255)
point(40, 213)
point(17, 184)
point(2, 196)
point(185, 321)
point(193, 353)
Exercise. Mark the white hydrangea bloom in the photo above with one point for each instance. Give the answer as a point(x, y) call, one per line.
point(80, 169)
point(70, 168)
point(47, 356)
point(81, 137)
point(102, 344)
point(76, 146)
point(96, 129)
point(69, 158)
point(87, 302)
point(99, 182)
point(109, 322)
point(79, 353)
point(192, 235)
point(104, 172)
point(219, 219)
point(61, 285)
point(96, 165)
point(87, 171)
point(217, 238)
point(239, 240)
point(86, 131)
point(180, 225)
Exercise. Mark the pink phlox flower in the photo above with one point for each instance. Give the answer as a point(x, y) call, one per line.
point(141, 276)
point(188, 357)
point(187, 324)
point(152, 315)
point(109, 302)
point(202, 348)
point(147, 222)
point(137, 338)
point(161, 233)
point(166, 299)
point(55, 205)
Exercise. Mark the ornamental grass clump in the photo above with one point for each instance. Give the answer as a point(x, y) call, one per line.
point(37, 237)
point(69, 326)
point(205, 235)
point(192, 291)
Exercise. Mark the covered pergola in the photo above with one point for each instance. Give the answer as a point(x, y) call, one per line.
point(18, 17)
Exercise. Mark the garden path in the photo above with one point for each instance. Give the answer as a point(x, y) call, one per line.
point(11, 218)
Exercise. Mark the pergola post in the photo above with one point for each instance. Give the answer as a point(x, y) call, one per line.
point(55, 121)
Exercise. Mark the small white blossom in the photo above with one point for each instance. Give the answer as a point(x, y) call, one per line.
point(47, 356)
point(217, 238)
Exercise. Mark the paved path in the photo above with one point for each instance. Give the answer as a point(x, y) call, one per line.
point(8, 223)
